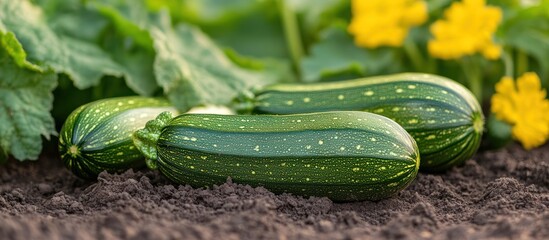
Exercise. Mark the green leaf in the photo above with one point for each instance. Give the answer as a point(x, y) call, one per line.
point(119, 27)
point(257, 34)
point(83, 62)
point(245, 26)
point(528, 30)
point(132, 45)
point(25, 102)
point(205, 12)
point(134, 58)
point(138, 68)
point(336, 53)
point(499, 133)
point(316, 15)
point(66, 17)
point(220, 11)
point(193, 71)
point(533, 39)
point(13, 48)
point(136, 61)
point(131, 19)
point(280, 69)
point(242, 25)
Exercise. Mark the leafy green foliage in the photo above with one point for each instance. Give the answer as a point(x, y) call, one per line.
point(130, 43)
point(316, 15)
point(67, 17)
point(25, 102)
point(125, 40)
point(84, 62)
point(13, 48)
point(242, 25)
point(336, 53)
point(187, 54)
point(205, 12)
point(528, 30)
point(207, 51)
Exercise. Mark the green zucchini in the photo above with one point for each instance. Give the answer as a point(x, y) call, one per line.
point(346, 156)
point(97, 136)
point(443, 116)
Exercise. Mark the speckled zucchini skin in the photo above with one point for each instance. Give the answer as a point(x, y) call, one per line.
point(346, 156)
point(97, 136)
point(444, 117)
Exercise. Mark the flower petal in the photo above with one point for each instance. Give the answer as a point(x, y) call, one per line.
point(525, 107)
point(467, 28)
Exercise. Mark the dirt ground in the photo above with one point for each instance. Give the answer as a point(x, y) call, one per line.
point(500, 194)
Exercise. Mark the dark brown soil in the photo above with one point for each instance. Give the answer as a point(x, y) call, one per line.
point(501, 194)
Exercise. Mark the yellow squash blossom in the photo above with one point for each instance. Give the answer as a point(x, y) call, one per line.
point(385, 22)
point(524, 106)
point(467, 28)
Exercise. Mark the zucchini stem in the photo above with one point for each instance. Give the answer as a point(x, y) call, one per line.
point(146, 138)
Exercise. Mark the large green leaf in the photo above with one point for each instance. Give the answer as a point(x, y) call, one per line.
point(83, 62)
point(528, 30)
point(192, 70)
point(118, 27)
point(130, 42)
point(316, 15)
point(25, 102)
point(245, 26)
point(205, 12)
point(131, 19)
point(12, 47)
point(73, 18)
point(257, 34)
point(280, 69)
point(177, 51)
point(136, 61)
point(533, 38)
point(336, 53)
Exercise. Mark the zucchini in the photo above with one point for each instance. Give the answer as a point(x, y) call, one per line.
point(443, 116)
point(97, 136)
point(346, 156)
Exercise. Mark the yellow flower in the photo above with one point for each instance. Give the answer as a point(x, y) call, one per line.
point(523, 105)
point(385, 22)
point(466, 29)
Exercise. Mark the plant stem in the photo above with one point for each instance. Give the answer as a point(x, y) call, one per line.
point(473, 73)
point(507, 62)
point(414, 54)
point(292, 33)
point(522, 62)
point(97, 92)
point(432, 64)
point(475, 84)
